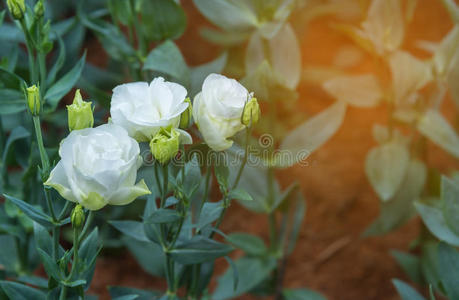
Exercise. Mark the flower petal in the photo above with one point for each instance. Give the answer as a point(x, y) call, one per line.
point(126, 195)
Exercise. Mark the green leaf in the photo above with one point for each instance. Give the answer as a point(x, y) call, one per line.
point(359, 91)
point(434, 220)
point(235, 273)
point(163, 215)
point(224, 38)
point(167, 59)
point(434, 126)
point(19, 291)
point(312, 134)
point(252, 271)
point(450, 198)
point(132, 229)
point(301, 294)
point(58, 64)
point(162, 20)
point(32, 212)
point(250, 244)
point(210, 212)
point(284, 56)
point(116, 292)
point(199, 73)
point(150, 256)
point(198, 250)
point(410, 264)
point(9, 253)
point(240, 194)
point(42, 238)
point(386, 166)
point(15, 135)
point(11, 101)
point(65, 84)
point(448, 263)
point(51, 268)
point(111, 38)
point(399, 208)
point(222, 173)
point(236, 15)
point(192, 177)
point(405, 291)
point(121, 11)
point(10, 80)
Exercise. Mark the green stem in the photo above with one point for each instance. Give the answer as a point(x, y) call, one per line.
point(246, 156)
point(86, 225)
point(206, 187)
point(41, 147)
point(64, 210)
point(56, 235)
point(76, 245)
point(30, 51)
point(165, 184)
point(272, 232)
point(141, 44)
point(63, 295)
point(42, 68)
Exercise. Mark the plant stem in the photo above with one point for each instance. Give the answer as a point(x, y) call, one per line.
point(56, 235)
point(30, 49)
point(63, 295)
point(165, 184)
point(41, 147)
point(86, 226)
point(246, 156)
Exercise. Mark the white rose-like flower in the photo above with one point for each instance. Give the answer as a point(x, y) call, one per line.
point(98, 166)
point(142, 108)
point(218, 109)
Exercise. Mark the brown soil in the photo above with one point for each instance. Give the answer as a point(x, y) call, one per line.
point(340, 201)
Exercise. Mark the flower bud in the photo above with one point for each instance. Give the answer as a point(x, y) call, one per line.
point(185, 117)
point(33, 99)
point(16, 8)
point(165, 144)
point(251, 112)
point(39, 9)
point(77, 217)
point(80, 113)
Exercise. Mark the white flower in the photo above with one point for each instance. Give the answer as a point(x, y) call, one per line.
point(142, 108)
point(218, 108)
point(98, 166)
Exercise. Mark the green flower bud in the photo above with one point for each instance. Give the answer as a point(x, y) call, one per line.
point(77, 217)
point(165, 144)
point(39, 9)
point(33, 99)
point(80, 113)
point(251, 112)
point(185, 117)
point(16, 8)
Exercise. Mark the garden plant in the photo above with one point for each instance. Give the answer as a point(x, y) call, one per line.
point(143, 152)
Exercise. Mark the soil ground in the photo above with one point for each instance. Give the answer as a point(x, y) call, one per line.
point(340, 200)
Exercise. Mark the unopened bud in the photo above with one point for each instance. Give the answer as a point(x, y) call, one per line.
point(77, 217)
point(16, 8)
point(165, 144)
point(39, 9)
point(251, 112)
point(33, 99)
point(185, 117)
point(80, 114)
